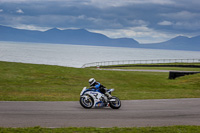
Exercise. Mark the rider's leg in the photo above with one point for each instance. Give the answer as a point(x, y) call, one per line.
point(107, 93)
point(104, 91)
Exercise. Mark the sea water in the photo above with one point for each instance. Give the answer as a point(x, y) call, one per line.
point(77, 55)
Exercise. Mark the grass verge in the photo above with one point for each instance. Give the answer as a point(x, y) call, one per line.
point(170, 129)
point(31, 82)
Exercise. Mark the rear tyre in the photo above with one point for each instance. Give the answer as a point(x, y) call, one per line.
point(115, 104)
point(86, 103)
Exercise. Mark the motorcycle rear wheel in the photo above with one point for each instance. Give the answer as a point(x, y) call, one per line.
point(87, 103)
point(115, 104)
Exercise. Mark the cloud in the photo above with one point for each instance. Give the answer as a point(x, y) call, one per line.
point(165, 23)
point(19, 11)
point(142, 34)
point(183, 21)
point(119, 3)
point(139, 19)
point(182, 15)
point(1, 10)
point(32, 27)
point(194, 26)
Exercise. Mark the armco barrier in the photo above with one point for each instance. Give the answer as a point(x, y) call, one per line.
point(123, 62)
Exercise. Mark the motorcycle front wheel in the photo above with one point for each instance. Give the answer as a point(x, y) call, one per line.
point(116, 104)
point(86, 102)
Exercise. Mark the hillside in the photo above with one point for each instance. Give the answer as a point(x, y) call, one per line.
point(84, 37)
point(177, 43)
point(70, 36)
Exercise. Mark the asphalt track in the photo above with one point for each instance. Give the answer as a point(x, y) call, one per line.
point(134, 113)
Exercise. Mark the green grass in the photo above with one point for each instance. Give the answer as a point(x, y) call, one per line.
point(30, 82)
point(170, 129)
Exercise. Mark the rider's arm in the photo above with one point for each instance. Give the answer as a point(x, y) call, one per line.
point(97, 85)
point(92, 87)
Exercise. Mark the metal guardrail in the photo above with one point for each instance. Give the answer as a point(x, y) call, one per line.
point(123, 62)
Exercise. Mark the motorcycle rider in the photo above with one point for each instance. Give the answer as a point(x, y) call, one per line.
point(96, 85)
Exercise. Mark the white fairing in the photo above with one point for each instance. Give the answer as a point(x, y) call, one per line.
point(95, 95)
point(84, 88)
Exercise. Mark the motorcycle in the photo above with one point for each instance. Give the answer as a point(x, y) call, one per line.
point(94, 98)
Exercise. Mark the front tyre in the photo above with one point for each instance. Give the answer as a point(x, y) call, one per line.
point(116, 103)
point(86, 101)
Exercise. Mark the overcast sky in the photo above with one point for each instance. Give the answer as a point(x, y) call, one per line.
point(146, 21)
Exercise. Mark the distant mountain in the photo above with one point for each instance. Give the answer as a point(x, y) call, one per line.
point(84, 37)
point(177, 43)
point(70, 36)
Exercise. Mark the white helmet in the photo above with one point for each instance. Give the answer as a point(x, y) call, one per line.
point(92, 81)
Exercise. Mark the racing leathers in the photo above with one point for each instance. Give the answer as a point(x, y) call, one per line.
point(101, 88)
